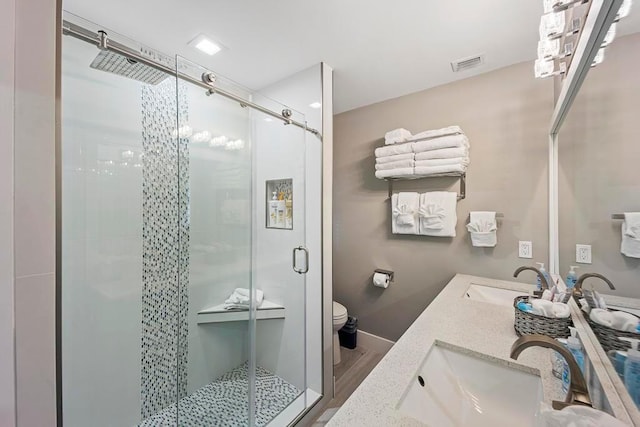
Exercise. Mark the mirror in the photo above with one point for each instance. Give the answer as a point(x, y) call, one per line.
point(598, 171)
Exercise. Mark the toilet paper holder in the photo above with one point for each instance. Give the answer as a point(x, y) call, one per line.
point(385, 272)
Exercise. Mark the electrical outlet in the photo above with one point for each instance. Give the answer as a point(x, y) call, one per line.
point(583, 254)
point(525, 249)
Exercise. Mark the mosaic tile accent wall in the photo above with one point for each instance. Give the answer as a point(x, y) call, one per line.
point(165, 235)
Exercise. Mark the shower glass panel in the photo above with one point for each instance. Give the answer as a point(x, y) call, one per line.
point(182, 303)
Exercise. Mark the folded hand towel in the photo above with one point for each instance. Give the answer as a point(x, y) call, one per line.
point(630, 245)
point(404, 210)
point(438, 214)
point(394, 149)
point(439, 170)
point(560, 310)
point(394, 173)
point(396, 158)
point(542, 307)
point(409, 163)
point(464, 161)
point(435, 133)
point(396, 136)
point(452, 141)
point(482, 227)
point(240, 299)
point(443, 153)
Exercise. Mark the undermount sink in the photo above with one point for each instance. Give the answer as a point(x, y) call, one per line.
point(492, 295)
point(455, 389)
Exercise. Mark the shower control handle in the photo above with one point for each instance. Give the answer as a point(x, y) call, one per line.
point(306, 260)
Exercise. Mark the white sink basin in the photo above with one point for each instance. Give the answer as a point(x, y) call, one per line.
point(467, 390)
point(492, 295)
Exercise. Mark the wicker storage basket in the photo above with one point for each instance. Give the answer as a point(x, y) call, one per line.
point(608, 337)
point(530, 324)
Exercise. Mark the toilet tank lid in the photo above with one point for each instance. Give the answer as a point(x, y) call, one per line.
point(339, 310)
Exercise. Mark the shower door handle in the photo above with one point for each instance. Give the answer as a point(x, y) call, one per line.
point(306, 260)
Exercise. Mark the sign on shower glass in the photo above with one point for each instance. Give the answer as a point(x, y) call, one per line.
point(280, 204)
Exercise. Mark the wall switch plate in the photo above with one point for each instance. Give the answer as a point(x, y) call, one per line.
point(583, 254)
point(525, 249)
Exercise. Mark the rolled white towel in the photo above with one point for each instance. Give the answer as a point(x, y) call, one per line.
point(395, 149)
point(396, 158)
point(542, 307)
point(444, 153)
point(242, 296)
point(453, 141)
point(624, 321)
point(439, 162)
point(602, 317)
point(560, 310)
point(393, 173)
point(438, 170)
point(409, 163)
point(435, 133)
point(396, 136)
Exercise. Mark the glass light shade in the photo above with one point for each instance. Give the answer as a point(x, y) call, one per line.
point(543, 68)
point(548, 49)
point(552, 25)
point(624, 10)
point(611, 34)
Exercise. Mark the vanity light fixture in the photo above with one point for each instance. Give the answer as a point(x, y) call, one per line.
point(315, 104)
point(205, 44)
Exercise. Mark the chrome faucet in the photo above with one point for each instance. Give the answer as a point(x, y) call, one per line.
point(543, 279)
point(578, 393)
point(577, 289)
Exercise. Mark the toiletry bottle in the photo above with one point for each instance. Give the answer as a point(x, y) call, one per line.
point(575, 347)
point(273, 210)
point(557, 361)
point(632, 370)
point(281, 207)
point(544, 273)
point(572, 278)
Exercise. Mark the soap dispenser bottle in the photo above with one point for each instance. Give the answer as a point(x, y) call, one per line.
point(632, 370)
point(572, 278)
point(544, 273)
point(575, 347)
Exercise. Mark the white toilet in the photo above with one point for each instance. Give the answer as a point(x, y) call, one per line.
point(339, 319)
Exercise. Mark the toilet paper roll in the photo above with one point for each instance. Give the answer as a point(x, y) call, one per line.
point(381, 280)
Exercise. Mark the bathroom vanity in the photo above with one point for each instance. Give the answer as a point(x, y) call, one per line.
point(466, 335)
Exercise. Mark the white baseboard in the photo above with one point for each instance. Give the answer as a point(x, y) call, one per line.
point(374, 342)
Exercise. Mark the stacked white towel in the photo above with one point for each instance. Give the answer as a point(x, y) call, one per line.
point(432, 152)
point(397, 136)
point(241, 298)
point(404, 210)
point(395, 161)
point(438, 214)
point(482, 228)
point(631, 235)
point(442, 154)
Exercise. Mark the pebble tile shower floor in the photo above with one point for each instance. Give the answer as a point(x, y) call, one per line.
point(224, 402)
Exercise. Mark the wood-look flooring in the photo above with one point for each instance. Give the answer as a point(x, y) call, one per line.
point(354, 367)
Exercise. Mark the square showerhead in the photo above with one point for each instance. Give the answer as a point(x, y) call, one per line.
point(127, 67)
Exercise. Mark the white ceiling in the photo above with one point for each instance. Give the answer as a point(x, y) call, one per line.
point(378, 49)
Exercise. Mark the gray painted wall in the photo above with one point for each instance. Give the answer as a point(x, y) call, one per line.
point(599, 155)
point(505, 113)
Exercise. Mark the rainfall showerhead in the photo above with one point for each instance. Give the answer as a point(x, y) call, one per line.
point(114, 63)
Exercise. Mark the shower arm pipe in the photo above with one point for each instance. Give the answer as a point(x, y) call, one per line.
point(101, 40)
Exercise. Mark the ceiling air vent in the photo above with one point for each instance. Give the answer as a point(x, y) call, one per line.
point(467, 63)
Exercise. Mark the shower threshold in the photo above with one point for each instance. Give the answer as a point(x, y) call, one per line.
point(224, 402)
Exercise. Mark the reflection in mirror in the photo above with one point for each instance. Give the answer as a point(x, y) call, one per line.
point(599, 159)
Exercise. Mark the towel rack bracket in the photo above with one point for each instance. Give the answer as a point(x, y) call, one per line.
point(463, 183)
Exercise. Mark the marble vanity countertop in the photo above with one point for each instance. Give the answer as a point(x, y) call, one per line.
point(478, 326)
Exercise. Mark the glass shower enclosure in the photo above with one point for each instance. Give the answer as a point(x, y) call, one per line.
point(183, 294)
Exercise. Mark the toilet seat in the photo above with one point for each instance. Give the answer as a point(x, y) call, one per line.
point(339, 311)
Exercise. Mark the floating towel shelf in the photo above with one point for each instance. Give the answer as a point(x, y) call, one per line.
point(217, 313)
point(463, 182)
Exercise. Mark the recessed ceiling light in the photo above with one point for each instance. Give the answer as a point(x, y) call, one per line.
point(205, 44)
point(315, 105)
